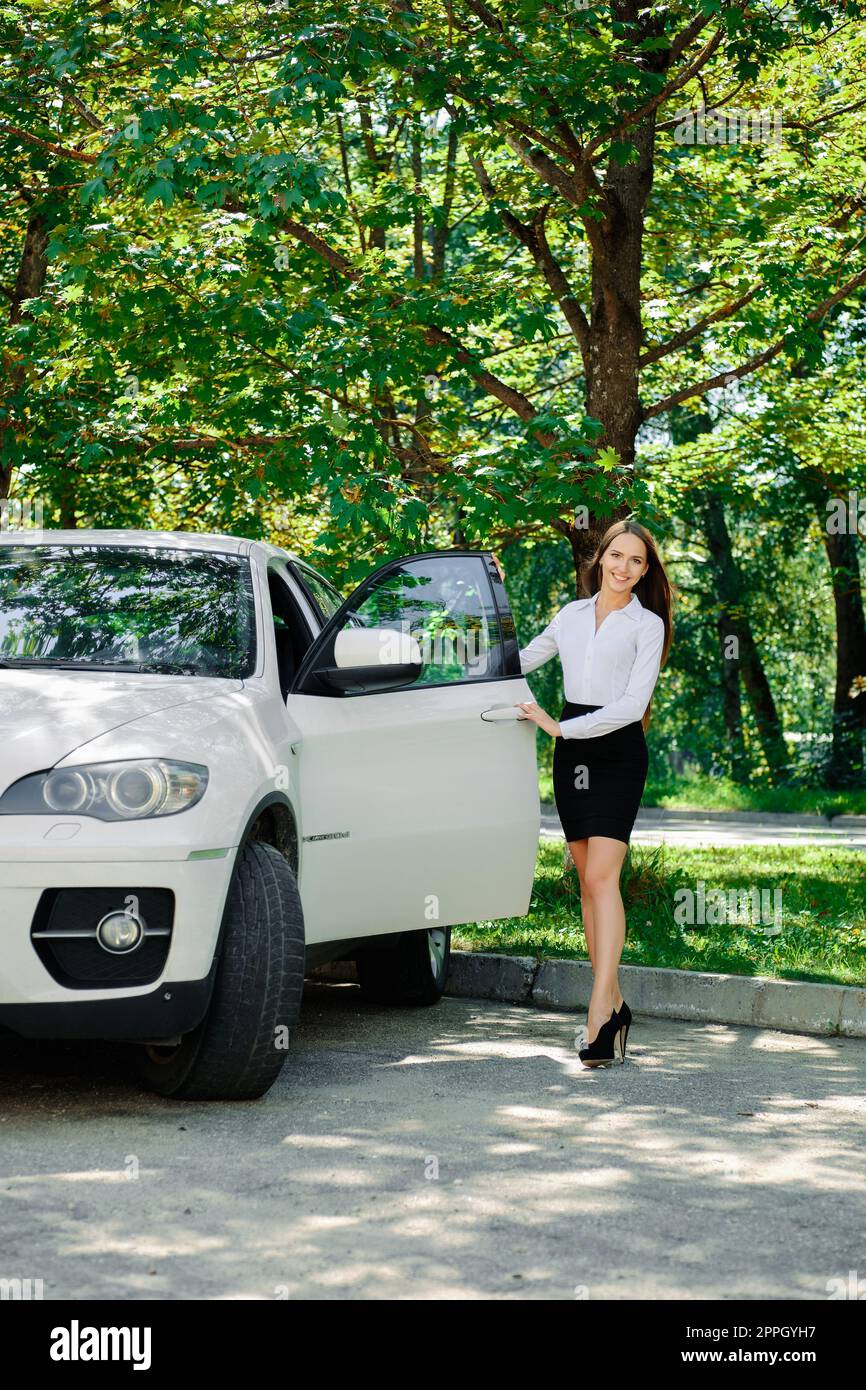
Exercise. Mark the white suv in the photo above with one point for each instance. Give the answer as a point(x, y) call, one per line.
point(217, 774)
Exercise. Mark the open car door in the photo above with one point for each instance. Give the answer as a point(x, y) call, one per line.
point(418, 789)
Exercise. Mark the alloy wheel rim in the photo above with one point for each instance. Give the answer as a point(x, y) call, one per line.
point(436, 938)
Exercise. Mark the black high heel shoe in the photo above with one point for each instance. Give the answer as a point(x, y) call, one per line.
point(623, 1014)
point(599, 1053)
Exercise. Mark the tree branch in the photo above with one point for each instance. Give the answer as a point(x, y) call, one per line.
point(688, 334)
point(575, 189)
point(61, 150)
point(656, 101)
point(532, 236)
point(700, 388)
point(517, 402)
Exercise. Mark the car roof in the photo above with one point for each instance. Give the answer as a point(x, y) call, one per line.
point(172, 540)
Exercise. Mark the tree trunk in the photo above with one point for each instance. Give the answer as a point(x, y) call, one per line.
point(734, 621)
point(845, 767)
point(615, 324)
point(28, 283)
point(849, 716)
point(685, 427)
point(732, 707)
point(612, 378)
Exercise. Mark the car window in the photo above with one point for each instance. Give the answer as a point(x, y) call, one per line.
point(127, 607)
point(446, 603)
point(324, 595)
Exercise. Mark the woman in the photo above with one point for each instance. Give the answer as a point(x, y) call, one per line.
point(612, 647)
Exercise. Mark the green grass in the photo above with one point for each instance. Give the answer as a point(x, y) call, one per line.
point(698, 792)
point(823, 919)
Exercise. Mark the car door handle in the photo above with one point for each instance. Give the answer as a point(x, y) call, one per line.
point(496, 714)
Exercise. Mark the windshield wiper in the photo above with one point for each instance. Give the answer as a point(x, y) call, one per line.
point(169, 668)
point(62, 661)
point(70, 663)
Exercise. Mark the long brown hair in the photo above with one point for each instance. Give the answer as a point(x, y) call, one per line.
point(653, 588)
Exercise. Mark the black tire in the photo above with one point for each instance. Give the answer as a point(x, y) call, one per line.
point(234, 1054)
point(412, 972)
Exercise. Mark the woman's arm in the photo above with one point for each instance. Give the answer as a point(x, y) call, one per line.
point(541, 648)
point(634, 700)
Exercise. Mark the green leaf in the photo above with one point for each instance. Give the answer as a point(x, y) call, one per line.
point(161, 190)
point(92, 191)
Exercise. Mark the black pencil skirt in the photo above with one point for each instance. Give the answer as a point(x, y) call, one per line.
point(598, 782)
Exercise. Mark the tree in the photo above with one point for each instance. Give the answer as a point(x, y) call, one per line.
point(241, 294)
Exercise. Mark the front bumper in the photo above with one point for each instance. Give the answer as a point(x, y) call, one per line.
point(173, 1008)
point(34, 1004)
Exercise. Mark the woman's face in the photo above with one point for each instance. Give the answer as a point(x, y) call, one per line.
point(623, 563)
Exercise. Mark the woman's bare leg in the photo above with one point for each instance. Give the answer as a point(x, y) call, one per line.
point(577, 849)
point(600, 881)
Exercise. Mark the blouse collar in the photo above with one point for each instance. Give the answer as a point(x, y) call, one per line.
point(632, 609)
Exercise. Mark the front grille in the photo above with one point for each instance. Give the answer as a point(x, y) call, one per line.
point(63, 933)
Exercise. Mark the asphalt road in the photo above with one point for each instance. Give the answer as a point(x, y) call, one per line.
point(690, 828)
point(454, 1152)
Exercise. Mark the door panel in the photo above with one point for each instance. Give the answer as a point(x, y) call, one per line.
point(416, 811)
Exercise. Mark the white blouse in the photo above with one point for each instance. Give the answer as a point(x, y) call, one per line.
point(616, 667)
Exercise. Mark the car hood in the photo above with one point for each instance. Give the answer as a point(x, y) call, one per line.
point(46, 715)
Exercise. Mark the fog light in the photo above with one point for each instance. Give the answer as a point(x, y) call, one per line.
point(120, 932)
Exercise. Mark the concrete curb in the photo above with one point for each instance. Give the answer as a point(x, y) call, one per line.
point(753, 1001)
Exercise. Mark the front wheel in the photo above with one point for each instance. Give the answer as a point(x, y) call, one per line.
point(238, 1050)
point(413, 972)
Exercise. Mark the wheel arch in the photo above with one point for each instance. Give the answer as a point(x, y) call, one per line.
point(272, 821)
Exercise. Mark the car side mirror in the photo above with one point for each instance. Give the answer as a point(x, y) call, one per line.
point(376, 646)
point(367, 657)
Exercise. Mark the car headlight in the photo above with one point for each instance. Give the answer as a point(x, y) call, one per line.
point(133, 790)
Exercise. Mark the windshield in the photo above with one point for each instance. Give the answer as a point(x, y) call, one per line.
point(187, 612)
